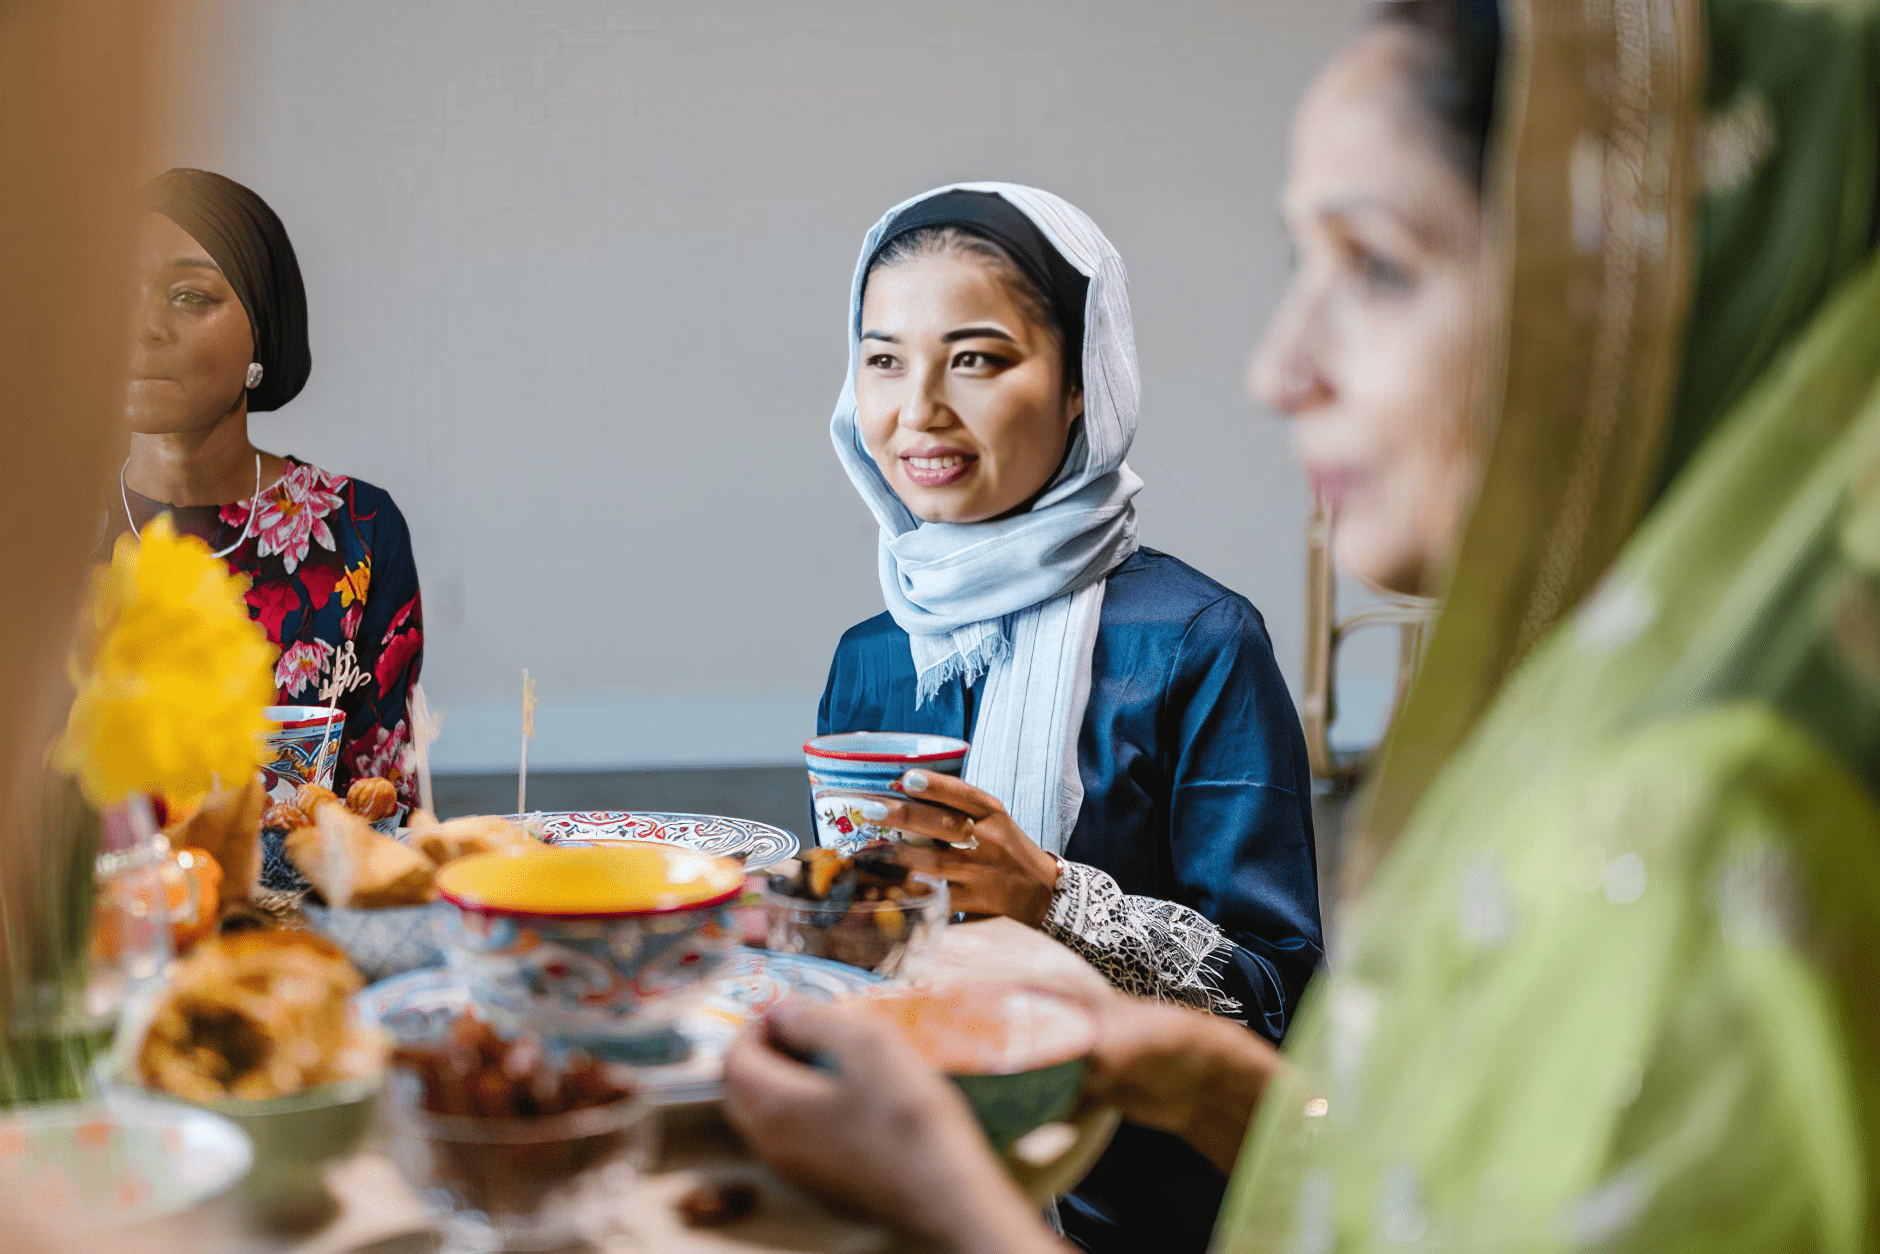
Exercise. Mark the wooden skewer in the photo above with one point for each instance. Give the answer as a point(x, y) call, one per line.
point(327, 732)
point(528, 734)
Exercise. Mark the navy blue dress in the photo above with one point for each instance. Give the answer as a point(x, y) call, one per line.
point(1196, 792)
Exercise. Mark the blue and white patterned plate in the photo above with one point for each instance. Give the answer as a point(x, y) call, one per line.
point(759, 844)
point(755, 980)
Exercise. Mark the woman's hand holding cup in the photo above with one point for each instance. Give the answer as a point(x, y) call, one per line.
point(991, 866)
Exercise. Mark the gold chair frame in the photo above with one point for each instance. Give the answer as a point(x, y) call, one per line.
point(1326, 634)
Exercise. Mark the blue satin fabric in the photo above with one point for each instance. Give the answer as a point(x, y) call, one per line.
point(1196, 790)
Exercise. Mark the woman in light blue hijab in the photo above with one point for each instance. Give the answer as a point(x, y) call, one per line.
point(1138, 785)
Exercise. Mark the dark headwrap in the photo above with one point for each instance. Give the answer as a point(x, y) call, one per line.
point(245, 238)
point(992, 216)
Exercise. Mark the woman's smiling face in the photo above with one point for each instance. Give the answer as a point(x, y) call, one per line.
point(960, 392)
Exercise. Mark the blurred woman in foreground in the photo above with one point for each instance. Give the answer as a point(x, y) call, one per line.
point(1609, 984)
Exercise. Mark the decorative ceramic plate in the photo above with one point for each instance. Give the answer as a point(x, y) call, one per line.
point(755, 980)
point(97, 1166)
point(759, 844)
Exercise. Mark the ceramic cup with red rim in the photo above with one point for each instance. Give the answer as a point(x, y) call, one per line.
point(303, 748)
point(602, 947)
point(851, 767)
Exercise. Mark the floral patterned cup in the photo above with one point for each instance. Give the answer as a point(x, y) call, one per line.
point(848, 769)
point(303, 750)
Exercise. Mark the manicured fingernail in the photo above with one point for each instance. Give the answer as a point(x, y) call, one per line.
point(873, 811)
point(915, 781)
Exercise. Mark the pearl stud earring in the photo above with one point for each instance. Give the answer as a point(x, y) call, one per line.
point(254, 374)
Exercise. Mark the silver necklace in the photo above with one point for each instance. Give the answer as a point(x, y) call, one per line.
point(254, 503)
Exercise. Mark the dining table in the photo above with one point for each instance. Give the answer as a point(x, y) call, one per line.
point(375, 1212)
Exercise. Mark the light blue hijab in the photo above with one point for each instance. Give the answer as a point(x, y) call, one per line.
point(1018, 598)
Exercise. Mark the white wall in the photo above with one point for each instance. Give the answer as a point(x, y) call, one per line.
point(578, 272)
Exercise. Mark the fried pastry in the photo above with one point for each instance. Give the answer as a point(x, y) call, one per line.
point(311, 797)
point(372, 799)
point(353, 865)
point(283, 816)
point(459, 838)
point(257, 1015)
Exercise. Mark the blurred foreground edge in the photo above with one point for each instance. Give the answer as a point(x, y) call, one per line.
point(80, 120)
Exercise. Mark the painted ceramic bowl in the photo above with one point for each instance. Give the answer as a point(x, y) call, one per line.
point(878, 936)
point(847, 768)
point(384, 943)
point(1017, 1053)
point(604, 944)
point(303, 749)
point(119, 1163)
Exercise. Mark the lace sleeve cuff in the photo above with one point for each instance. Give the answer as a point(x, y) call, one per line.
point(1143, 945)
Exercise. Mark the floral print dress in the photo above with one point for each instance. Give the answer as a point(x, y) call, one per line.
point(331, 578)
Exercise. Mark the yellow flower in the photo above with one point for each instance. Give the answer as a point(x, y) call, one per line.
point(172, 674)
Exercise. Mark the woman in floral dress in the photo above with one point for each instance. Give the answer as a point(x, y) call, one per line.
point(221, 330)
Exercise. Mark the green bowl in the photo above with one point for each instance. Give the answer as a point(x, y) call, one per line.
point(1017, 1053)
point(295, 1137)
point(1009, 1106)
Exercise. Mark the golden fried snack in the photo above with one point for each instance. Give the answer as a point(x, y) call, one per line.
point(372, 799)
point(352, 865)
point(459, 838)
point(311, 797)
point(256, 1015)
point(283, 816)
point(227, 826)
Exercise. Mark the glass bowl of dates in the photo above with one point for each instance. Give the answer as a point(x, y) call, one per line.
point(867, 910)
point(513, 1143)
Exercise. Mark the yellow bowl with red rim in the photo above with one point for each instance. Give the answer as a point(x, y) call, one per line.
point(603, 945)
